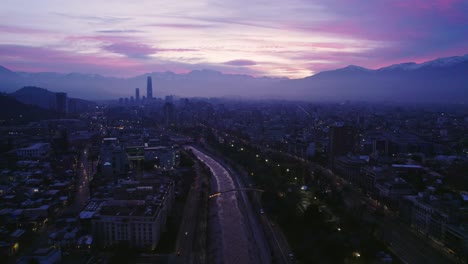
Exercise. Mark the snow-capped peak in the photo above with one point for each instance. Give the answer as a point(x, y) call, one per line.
point(445, 62)
point(441, 62)
point(354, 68)
point(402, 66)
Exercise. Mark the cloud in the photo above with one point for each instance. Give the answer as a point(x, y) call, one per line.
point(130, 49)
point(21, 30)
point(181, 25)
point(117, 31)
point(139, 51)
point(240, 63)
point(38, 59)
point(293, 38)
point(95, 19)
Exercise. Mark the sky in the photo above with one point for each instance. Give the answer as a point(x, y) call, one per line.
point(279, 38)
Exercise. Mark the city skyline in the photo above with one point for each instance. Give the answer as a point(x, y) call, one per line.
point(293, 40)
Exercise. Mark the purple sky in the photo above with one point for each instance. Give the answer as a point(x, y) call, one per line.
point(293, 38)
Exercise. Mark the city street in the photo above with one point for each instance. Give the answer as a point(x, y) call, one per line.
point(84, 172)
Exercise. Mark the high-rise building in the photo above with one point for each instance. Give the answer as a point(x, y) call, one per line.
point(61, 103)
point(137, 95)
point(149, 89)
point(343, 140)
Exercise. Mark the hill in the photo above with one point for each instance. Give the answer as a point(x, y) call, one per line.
point(20, 113)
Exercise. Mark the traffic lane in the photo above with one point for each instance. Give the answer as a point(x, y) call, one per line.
point(254, 222)
point(232, 226)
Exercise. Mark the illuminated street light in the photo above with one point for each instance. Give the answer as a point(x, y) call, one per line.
point(287, 170)
point(266, 160)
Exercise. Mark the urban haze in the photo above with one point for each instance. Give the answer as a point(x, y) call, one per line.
point(243, 132)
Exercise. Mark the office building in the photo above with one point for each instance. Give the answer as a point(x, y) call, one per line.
point(342, 140)
point(137, 95)
point(149, 89)
point(137, 214)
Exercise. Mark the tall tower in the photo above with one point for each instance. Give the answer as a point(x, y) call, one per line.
point(149, 89)
point(137, 95)
point(342, 140)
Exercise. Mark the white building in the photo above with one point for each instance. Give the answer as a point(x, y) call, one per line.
point(38, 150)
point(139, 220)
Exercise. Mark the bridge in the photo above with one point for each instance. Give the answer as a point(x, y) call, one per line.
point(235, 190)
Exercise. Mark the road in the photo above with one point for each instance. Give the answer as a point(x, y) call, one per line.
point(237, 239)
point(85, 170)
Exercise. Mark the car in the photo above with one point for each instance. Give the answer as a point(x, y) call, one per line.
point(261, 211)
point(291, 256)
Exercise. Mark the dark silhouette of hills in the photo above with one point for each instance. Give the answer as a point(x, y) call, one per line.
point(35, 96)
point(20, 113)
point(442, 80)
point(46, 99)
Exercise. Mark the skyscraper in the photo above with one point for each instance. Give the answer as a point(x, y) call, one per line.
point(343, 139)
point(149, 89)
point(137, 95)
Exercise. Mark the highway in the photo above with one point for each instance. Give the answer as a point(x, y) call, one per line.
point(239, 235)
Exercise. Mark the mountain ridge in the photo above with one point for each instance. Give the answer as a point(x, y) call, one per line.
point(449, 74)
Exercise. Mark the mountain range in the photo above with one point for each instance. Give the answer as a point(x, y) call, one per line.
point(442, 80)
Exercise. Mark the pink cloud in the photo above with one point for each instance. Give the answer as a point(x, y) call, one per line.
point(181, 25)
point(130, 49)
point(26, 58)
point(240, 63)
point(21, 30)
